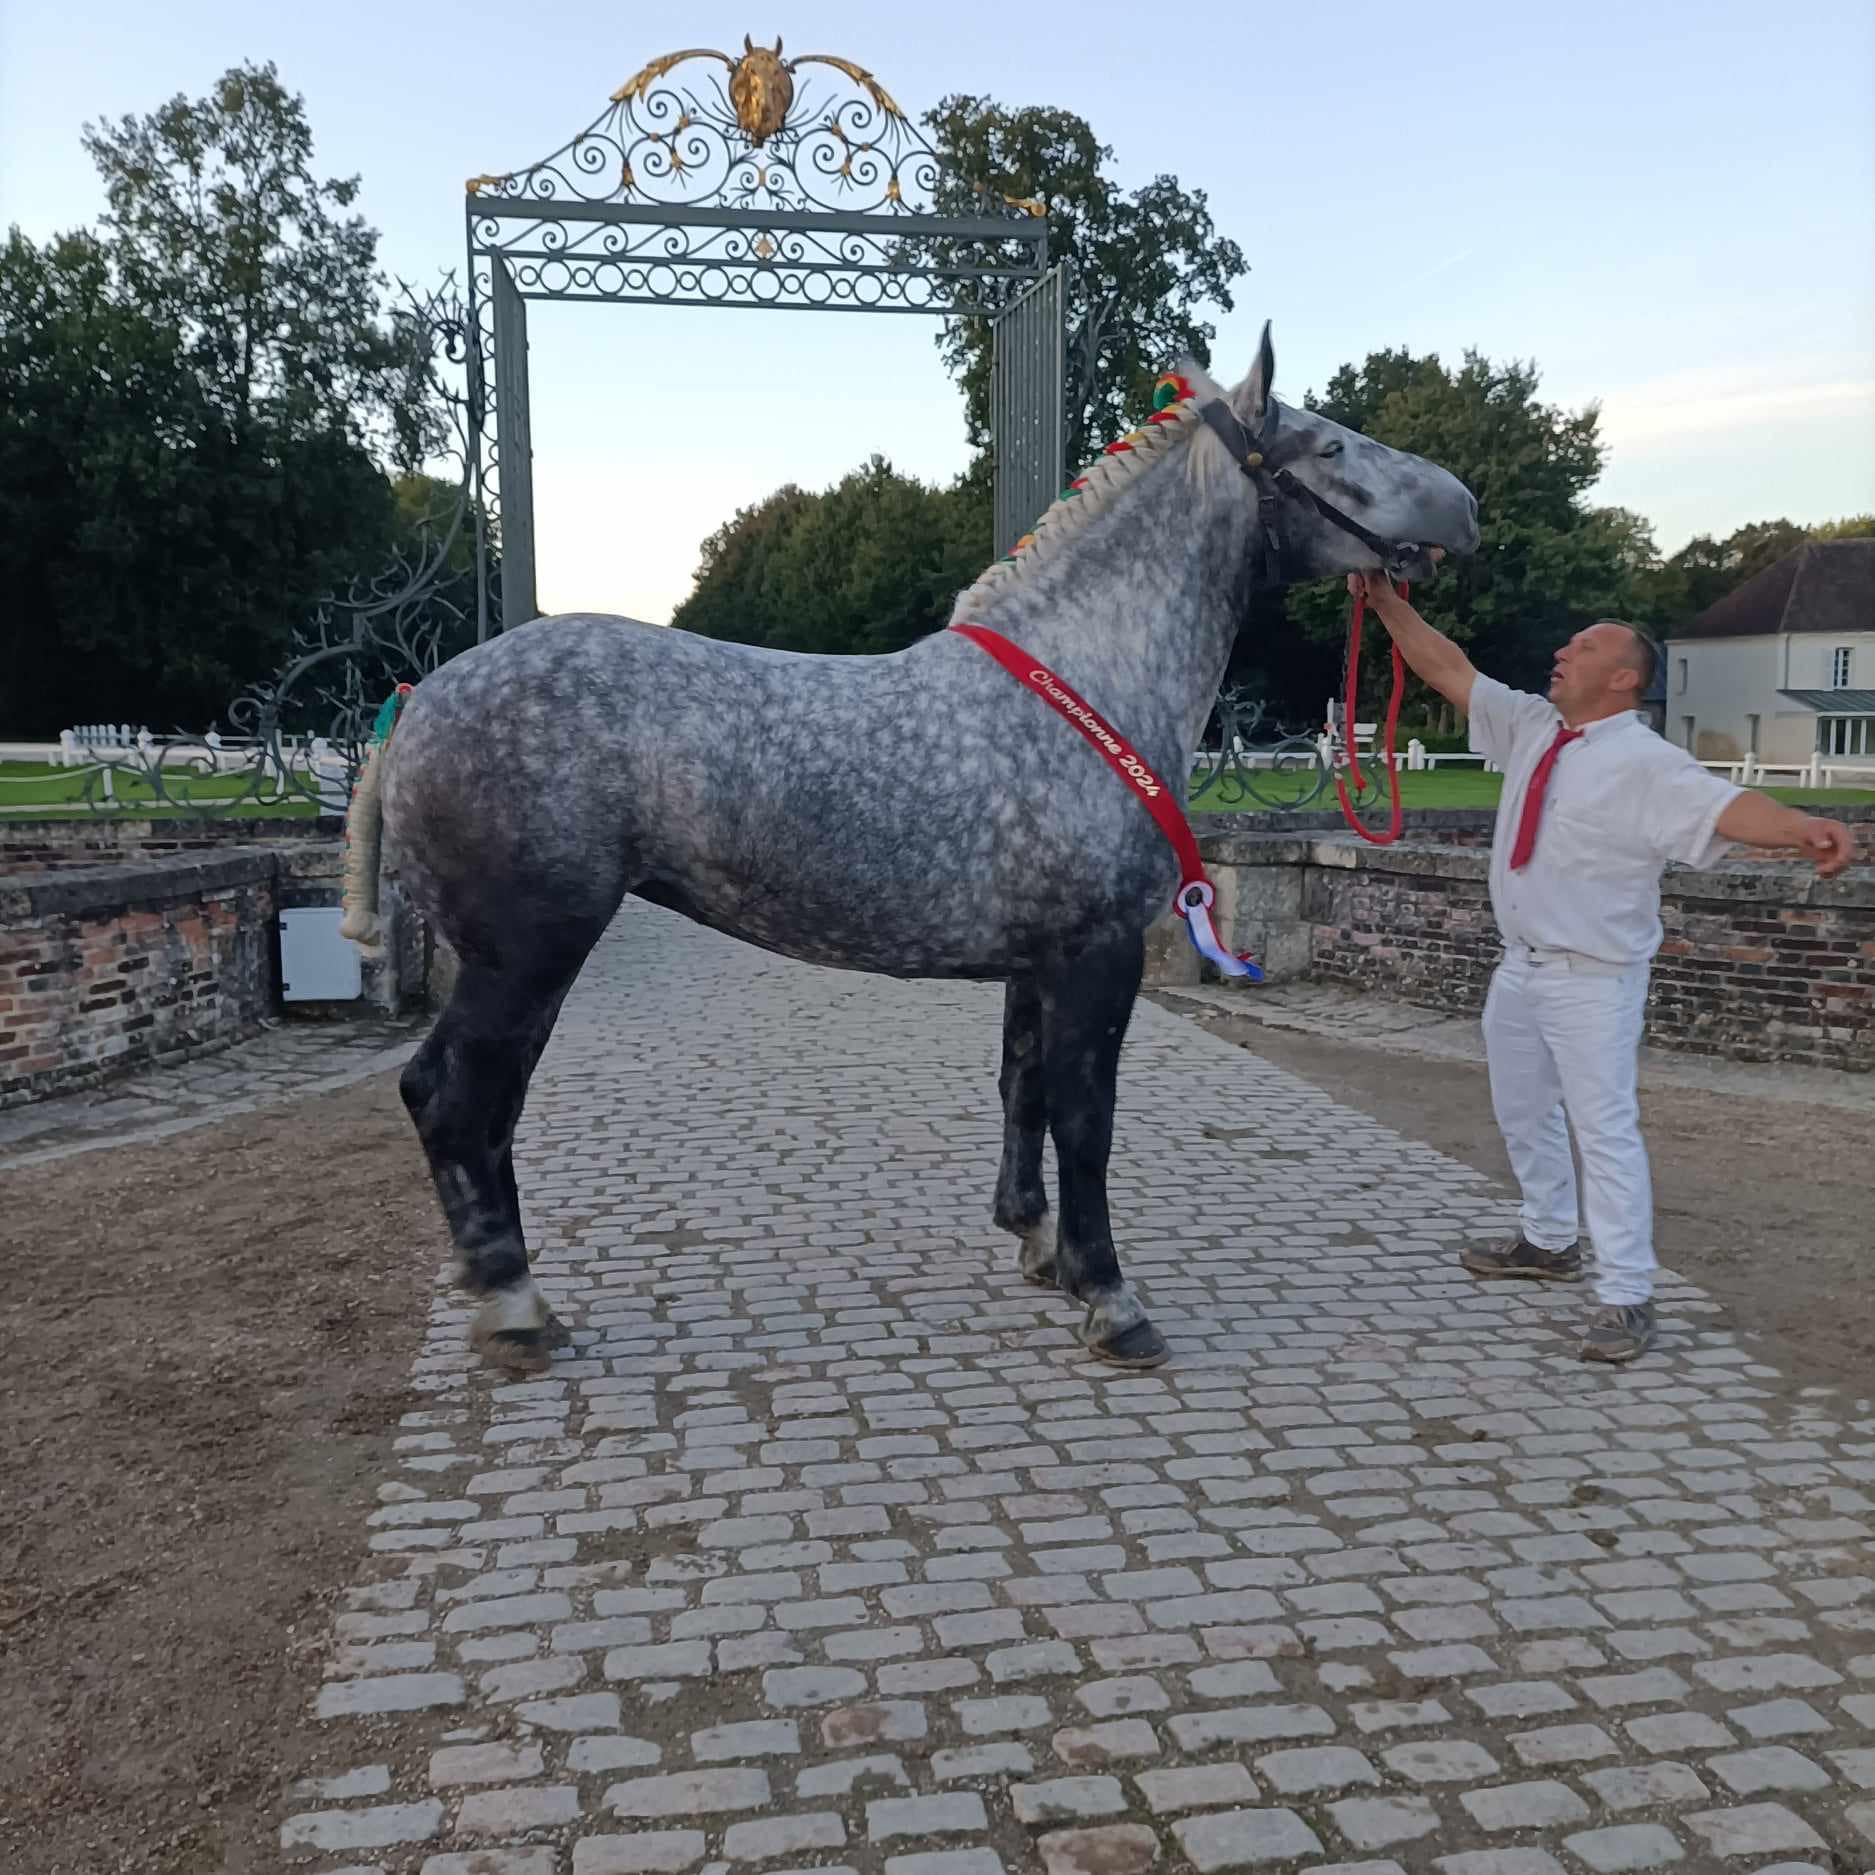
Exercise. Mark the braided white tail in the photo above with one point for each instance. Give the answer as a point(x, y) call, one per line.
point(364, 831)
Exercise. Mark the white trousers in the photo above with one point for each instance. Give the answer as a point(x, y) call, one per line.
point(1562, 1035)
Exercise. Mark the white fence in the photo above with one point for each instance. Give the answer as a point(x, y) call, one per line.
point(111, 750)
point(1815, 773)
point(1416, 758)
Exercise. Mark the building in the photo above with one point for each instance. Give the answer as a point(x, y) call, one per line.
point(1783, 669)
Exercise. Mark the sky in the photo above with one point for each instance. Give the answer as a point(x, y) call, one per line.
point(1665, 205)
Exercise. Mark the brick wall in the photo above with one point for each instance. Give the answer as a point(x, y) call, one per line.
point(1761, 960)
point(1773, 977)
point(105, 968)
point(124, 942)
point(1473, 826)
point(1415, 923)
point(35, 846)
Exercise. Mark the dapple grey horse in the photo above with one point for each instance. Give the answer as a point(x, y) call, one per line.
point(920, 814)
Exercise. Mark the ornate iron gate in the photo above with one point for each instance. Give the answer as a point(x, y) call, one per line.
point(759, 184)
point(793, 184)
point(1028, 382)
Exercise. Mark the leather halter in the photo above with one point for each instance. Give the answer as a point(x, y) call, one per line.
point(1261, 455)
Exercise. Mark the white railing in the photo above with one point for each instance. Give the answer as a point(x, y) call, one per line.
point(1817, 772)
point(1415, 758)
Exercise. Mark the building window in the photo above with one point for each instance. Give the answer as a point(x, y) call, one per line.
point(1686, 724)
point(1839, 668)
point(1752, 724)
point(1846, 735)
point(1680, 680)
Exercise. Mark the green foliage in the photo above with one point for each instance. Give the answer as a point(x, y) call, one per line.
point(1142, 264)
point(1548, 563)
point(868, 565)
point(197, 398)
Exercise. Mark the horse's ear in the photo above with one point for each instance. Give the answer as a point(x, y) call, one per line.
point(1255, 394)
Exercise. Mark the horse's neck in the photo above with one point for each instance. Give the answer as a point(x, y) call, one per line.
point(1139, 611)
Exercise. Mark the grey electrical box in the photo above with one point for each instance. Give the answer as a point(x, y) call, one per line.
point(316, 964)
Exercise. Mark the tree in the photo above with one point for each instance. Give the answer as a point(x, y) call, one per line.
point(218, 225)
point(1548, 561)
point(868, 565)
point(197, 397)
point(95, 427)
point(1141, 264)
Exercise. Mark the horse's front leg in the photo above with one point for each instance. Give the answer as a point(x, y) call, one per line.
point(1021, 1199)
point(1086, 1005)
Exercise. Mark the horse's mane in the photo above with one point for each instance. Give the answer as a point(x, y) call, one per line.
point(1094, 490)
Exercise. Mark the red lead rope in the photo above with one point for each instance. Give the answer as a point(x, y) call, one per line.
point(1347, 728)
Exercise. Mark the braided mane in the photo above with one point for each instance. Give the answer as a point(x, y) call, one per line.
point(1176, 401)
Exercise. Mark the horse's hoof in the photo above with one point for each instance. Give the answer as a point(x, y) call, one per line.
point(1037, 1260)
point(1141, 1345)
point(516, 1331)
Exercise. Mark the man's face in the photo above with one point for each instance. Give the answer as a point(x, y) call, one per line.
point(1594, 672)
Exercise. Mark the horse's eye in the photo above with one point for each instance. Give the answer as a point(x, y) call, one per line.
point(1332, 449)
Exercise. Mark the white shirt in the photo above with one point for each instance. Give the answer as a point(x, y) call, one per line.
point(1621, 803)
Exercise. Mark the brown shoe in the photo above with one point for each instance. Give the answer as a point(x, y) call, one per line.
point(1524, 1259)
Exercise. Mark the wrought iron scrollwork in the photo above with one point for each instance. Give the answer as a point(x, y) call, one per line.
point(1249, 762)
point(300, 737)
point(757, 180)
point(752, 135)
point(749, 180)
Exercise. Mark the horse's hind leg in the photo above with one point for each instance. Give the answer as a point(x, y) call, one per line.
point(464, 1089)
point(1021, 1200)
point(1086, 1005)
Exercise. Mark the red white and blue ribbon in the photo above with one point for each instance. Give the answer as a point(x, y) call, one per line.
point(1195, 895)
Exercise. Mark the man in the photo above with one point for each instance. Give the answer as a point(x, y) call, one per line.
point(1594, 806)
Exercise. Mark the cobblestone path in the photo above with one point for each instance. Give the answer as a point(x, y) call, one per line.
point(827, 1548)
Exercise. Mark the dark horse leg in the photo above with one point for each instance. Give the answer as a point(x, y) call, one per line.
point(1087, 1002)
point(464, 1089)
point(1021, 1200)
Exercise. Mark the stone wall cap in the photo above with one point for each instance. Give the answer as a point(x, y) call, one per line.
point(82, 890)
point(1772, 882)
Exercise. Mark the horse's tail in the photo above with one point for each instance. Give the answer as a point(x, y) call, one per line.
point(364, 838)
point(364, 832)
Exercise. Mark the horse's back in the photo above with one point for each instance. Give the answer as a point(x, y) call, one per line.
point(544, 774)
point(897, 812)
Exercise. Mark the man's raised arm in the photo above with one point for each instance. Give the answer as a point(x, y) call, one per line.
point(1432, 655)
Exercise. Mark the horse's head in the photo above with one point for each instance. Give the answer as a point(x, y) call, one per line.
point(1334, 501)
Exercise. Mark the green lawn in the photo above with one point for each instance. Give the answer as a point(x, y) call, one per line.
point(27, 787)
point(60, 792)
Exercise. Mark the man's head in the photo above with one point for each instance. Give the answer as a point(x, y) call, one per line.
point(1604, 669)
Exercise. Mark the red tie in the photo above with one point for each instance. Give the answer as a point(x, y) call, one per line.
point(1533, 798)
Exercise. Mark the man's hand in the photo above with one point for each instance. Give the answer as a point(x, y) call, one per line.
point(1829, 844)
point(1378, 590)
point(1434, 658)
point(1754, 819)
point(1375, 588)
